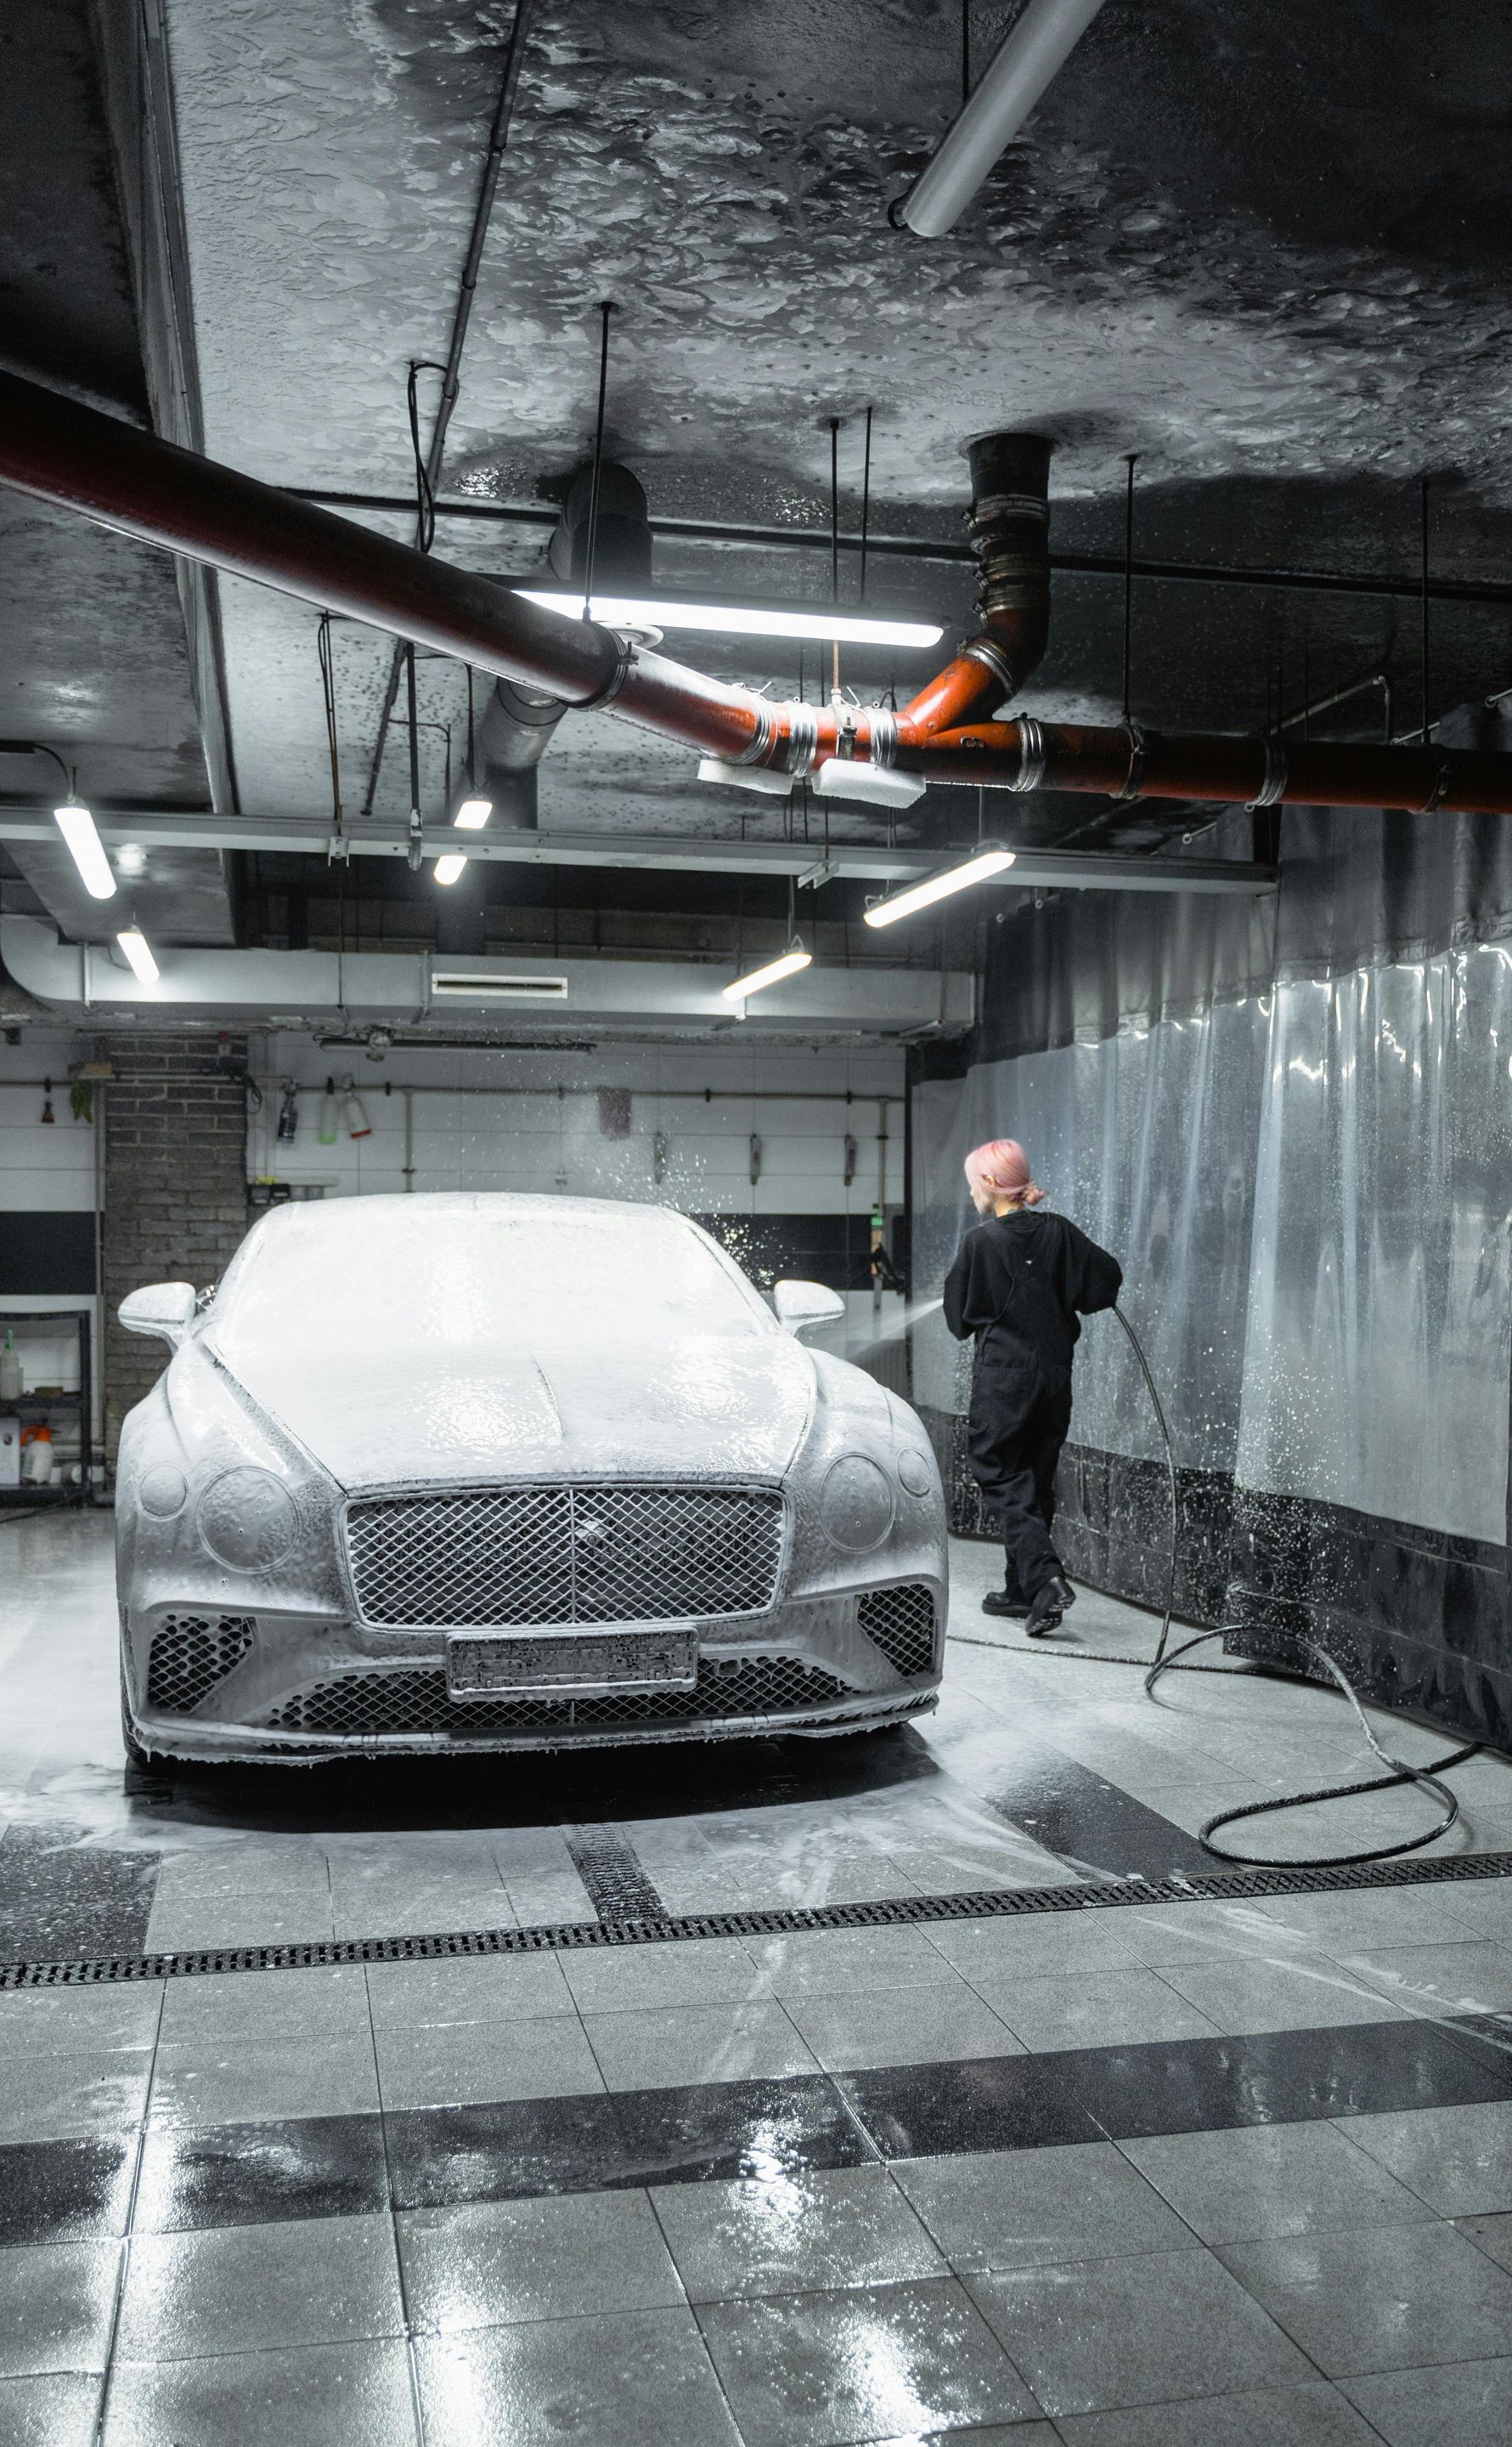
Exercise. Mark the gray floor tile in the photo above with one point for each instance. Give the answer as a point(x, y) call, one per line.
point(59, 2096)
point(474, 1988)
point(713, 1971)
point(671, 2046)
point(1483, 1907)
point(842, 1962)
point(1255, 1996)
point(426, 1913)
point(490, 2263)
point(57, 2411)
point(56, 2303)
point(456, 2064)
point(1465, 2404)
point(73, 2020)
point(296, 1873)
point(319, 2396)
point(1492, 2235)
point(1022, 2209)
point(1093, 2009)
point(199, 1921)
point(1022, 1949)
point(1392, 2299)
point(945, 2023)
point(1469, 1978)
point(538, 1902)
point(1094, 2335)
point(810, 2231)
point(882, 2362)
point(1318, 2415)
point(1347, 1924)
point(226, 2082)
point(246, 2290)
point(1211, 1935)
point(1266, 2180)
point(642, 2379)
point(1458, 2158)
point(263, 2007)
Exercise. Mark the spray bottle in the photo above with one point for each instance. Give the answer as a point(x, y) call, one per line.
point(12, 1381)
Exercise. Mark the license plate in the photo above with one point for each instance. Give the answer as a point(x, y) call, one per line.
point(664, 1659)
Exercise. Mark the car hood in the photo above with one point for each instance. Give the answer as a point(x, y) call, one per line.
point(731, 1405)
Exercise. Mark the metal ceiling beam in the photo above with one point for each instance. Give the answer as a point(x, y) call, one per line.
point(1066, 870)
point(927, 548)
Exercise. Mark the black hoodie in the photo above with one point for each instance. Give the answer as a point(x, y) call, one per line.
point(1019, 1281)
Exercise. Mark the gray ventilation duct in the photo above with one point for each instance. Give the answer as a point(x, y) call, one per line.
point(511, 740)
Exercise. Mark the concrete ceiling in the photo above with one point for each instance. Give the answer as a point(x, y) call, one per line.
point(1263, 249)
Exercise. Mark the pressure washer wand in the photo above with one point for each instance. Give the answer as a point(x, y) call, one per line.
point(1170, 1473)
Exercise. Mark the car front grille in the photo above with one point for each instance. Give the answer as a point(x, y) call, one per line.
point(900, 1623)
point(191, 1653)
point(566, 1554)
point(416, 1700)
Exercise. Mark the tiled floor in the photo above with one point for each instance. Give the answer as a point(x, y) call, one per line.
point(1184, 2174)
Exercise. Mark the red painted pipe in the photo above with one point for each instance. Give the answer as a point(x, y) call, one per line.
point(72, 456)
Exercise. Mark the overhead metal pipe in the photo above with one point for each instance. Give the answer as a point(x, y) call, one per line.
point(72, 456)
point(1035, 50)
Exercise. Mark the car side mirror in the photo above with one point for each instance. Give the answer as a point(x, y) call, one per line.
point(163, 1309)
point(801, 1305)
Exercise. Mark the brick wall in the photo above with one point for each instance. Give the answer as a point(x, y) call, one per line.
point(175, 1186)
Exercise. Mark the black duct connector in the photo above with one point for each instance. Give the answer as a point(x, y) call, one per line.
point(1009, 528)
point(512, 739)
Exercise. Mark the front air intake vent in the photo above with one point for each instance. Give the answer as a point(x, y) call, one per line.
point(191, 1653)
point(477, 985)
point(416, 1700)
point(901, 1622)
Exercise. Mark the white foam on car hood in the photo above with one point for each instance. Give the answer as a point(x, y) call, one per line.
point(716, 1405)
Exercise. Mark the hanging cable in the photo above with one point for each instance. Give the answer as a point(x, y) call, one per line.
point(425, 496)
point(866, 499)
point(472, 758)
point(1129, 575)
point(606, 309)
point(328, 689)
point(834, 549)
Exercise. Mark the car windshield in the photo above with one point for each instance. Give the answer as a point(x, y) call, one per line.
point(430, 1272)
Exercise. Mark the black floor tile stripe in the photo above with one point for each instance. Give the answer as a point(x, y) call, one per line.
point(1084, 1819)
point(894, 1911)
point(609, 1868)
point(336, 2166)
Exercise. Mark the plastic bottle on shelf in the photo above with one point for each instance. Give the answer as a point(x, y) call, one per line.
point(36, 1455)
point(13, 1382)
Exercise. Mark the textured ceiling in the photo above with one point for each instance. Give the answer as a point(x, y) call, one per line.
point(1264, 249)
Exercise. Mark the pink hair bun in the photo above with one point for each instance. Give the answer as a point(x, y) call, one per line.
point(1000, 1169)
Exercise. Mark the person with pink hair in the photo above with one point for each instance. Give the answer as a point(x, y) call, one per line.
point(1020, 1284)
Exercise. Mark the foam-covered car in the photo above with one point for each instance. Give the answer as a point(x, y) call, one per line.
point(492, 1473)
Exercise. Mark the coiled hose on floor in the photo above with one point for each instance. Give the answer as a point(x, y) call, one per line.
point(1401, 1771)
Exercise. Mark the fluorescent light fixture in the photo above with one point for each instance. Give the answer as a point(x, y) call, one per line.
point(845, 628)
point(991, 860)
point(473, 814)
point(139, 952)
point(449, 867)
point(1035, 48)
point(131, 859)
point(771, 975)
point(86, 850)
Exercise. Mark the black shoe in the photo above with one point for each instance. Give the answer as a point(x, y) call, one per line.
point(1051, 1601)
point(1000, 1601)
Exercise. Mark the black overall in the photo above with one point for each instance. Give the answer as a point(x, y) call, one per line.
point(1020, 1283)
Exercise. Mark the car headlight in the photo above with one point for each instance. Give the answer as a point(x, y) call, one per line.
point(917, 1471)
point(248, 1519)
point(856, 1503)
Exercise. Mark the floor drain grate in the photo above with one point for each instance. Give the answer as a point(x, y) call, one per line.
point(564, 1937)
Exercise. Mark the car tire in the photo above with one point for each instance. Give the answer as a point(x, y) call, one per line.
point(138, 1756)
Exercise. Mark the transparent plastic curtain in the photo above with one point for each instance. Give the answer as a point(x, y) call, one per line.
point(1377, 1362)
point(1147, 1140)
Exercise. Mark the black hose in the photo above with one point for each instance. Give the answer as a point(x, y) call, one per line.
point(1401, 1771)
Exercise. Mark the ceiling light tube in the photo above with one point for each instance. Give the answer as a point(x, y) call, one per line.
point(989, 860)
point(473, 814)
point(826, 621)
point(771, 975)
point(449, 865)
point(139, 952)
point(1035, 50)
point(86, 850)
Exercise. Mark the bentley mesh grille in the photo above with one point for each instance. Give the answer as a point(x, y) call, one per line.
point(566, 1554)
point(191, 1653)
point(901, 1623)
point(415, 1700)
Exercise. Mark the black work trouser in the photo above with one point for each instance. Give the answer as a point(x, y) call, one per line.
point(1017, 1423)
